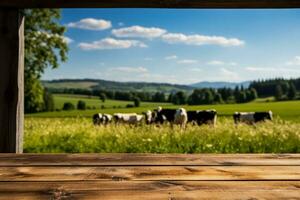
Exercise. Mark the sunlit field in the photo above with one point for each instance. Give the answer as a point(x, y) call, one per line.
point(287, 110)
point(79, 135)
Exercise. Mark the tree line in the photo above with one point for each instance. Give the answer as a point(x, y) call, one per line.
point(281, 89)
point(197, 97)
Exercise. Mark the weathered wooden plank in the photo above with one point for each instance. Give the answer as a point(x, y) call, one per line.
point(149, 159)
point(150, 173)
point(151, 190)
point(151, 3)
point(11, 80)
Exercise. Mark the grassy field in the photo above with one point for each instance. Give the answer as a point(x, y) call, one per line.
point(287, 110)
point(73, 131)
point(78, 135)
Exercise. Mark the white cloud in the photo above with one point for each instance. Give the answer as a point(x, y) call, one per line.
point(171, 57)
point(294, 61)
point(111, 43)
point(139, 31)
point(280, 70)
point(229, 75)
point(130, 69)
point(67, 40)
point(215, 62)
point(187, 61)
point(91, 24)
point(218, 62)
point(198, 40)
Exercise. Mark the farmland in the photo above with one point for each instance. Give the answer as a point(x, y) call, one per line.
point(77, 135)
point(287, 110)
point(73, 131)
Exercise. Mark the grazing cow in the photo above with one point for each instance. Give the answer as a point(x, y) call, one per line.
point(173, 116)
point(149, 116)
point(128, 118)
point(252, 117)
point(164, 115)
point(102, 119)
point(202, 117)
point(181, 117)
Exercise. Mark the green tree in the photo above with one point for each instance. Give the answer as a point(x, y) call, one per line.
point(48, 101)
point(45, 47)
point(278, 92)
point(179, 98)
point(218, 98)
point(68, 106)
point(81, 105)
point(102, 97)
point(137, 102)
point(292, 92)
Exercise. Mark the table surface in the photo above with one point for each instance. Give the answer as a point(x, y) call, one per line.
point(149, 176)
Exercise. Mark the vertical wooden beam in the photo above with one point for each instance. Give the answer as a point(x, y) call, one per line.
point(11, 80)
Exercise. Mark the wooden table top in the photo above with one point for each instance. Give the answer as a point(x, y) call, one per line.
point(149, 176)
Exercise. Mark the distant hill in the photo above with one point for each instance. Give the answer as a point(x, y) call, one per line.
point(91, 84)
point(206, 84)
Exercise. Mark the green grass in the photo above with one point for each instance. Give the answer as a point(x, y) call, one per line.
point(93, 101)
point(78, 135)
point(287, 110)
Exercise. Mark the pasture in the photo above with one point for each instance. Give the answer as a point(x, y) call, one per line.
point(73, 131)
point(287, 110)
point(78, 135)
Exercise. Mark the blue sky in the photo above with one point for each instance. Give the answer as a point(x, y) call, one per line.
point(180, 46)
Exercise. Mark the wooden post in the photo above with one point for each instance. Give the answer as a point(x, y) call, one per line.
point(11, 80)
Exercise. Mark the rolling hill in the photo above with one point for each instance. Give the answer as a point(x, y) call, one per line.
point(91, 84)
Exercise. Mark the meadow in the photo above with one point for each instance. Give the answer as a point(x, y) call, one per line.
point(78, 135)
point(287, 110)
point(73, 131)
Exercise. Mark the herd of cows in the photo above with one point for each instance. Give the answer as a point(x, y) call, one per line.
point(178, 117)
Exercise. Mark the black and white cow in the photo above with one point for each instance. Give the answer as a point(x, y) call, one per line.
point(181, 117)
point(149, 116)
point(173, 116)
point(202, 117)
point(102, 119)
point(128, 118)
point(252, 117)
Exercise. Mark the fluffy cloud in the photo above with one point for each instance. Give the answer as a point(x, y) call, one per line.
point(280, 70)
point(130, 69)
point(111, 43)
point(198, 40)
point(91, 24)
point(172, 57)
point(295, 61)
point(187, 61)
point(139, 31)
point(217, 62)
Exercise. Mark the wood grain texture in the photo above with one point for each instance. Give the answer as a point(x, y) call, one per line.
point(149, 176)
point(149, 159)
point(151, 3)
point(11, 80)
point(136, 190)
point(142, 173)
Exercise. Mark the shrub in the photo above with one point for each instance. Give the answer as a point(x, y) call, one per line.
point(68, 106)
point(81, 105)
